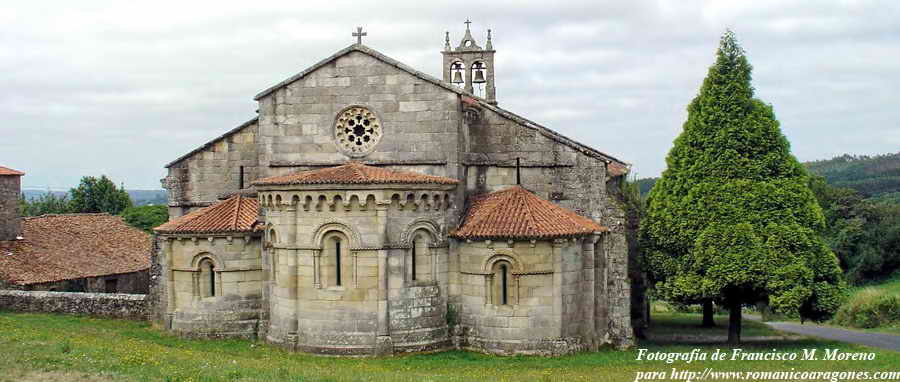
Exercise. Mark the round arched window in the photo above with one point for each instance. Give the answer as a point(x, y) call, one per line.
point(357, 131)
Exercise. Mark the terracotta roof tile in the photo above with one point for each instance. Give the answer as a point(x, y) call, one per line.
point(517, 213)
point(9, 171)
point(73, 246)
point(235, 214)
point(354, 173)
point(616, 169)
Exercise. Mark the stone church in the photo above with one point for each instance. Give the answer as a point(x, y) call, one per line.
point(370, 208)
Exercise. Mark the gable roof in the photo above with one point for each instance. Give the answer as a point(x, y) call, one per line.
point(73, 246)
point(553, 135)
point(235, 214)
point(9, 171)
point(516, 213)
point(213, 141)
point(354, 173)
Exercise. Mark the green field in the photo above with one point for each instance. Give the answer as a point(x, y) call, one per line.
point(40, 347)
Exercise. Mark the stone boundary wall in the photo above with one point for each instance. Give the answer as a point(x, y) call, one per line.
point(109, 305)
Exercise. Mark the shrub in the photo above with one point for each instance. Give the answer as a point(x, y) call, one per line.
point(870, 308)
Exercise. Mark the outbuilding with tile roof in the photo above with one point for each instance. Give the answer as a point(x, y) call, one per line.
point(77, 253)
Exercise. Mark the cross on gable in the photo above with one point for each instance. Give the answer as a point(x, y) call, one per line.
point(467, 23)
point(359, 35)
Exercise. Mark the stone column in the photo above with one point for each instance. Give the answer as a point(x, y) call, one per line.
point(355, 255)
point(168, 273)
point(558, 314)
point(588, 299)
point(601, 300)
point(291, 229)
point(317, 276)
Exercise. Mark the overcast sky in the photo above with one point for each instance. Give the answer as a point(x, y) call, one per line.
point(122, 88)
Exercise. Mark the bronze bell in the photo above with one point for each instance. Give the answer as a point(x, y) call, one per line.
point(479, 77)
point(457, 78)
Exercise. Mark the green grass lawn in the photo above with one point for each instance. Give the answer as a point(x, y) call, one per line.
point(69, 348)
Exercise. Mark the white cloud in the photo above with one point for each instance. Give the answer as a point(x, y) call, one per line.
point(125, 87)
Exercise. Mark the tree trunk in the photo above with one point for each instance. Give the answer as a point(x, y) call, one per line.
point(734, 324)
point(708, 321)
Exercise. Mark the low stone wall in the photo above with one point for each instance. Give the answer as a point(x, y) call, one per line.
point(111, 305)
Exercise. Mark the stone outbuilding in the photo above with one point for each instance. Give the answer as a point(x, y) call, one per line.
point(373, 209)
point(68, 252)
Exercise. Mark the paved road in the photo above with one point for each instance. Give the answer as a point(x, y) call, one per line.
point(876, 340)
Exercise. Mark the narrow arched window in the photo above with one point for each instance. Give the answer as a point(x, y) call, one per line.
point(413, 258)
point(420, 259)
point(207, 278)
point(334, 266)
point(504, 284)
point(502, 290)
point(337, 261)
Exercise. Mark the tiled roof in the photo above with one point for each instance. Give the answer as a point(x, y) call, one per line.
point(73, 246)
point(9, 171)
point(616, 169)
point(354, 173)
point(516, 213)
point(235, 214)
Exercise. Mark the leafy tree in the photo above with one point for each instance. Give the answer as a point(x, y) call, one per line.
point(732, 218)
point(146, 217)
point(99, 195)
point(48, 203)
point(863, 233)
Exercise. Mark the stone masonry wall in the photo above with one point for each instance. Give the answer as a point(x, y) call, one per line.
point(110, 305)
point(237, 307)
point(214, 169)
point(131, 283)
point(420, 119)
point(10, 221)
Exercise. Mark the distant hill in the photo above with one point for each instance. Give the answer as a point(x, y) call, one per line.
point(645, 184)
point(876, 177)
point(871, 176)
point(138, 197)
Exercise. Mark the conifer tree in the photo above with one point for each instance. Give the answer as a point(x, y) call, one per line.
point(732, 219)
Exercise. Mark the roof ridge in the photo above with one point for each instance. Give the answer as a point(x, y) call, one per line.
point(516, 212)
point(237, 212)
point(68, 214)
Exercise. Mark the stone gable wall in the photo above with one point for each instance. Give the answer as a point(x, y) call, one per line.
point(198, 179)
point(420, 119)
point(109, 305)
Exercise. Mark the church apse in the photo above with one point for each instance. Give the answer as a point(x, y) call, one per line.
point(346, 277)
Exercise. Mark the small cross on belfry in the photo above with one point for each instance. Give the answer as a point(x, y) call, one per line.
point(359, 35)
point(467, 23)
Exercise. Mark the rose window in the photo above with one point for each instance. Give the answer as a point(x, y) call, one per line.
point(357, 130)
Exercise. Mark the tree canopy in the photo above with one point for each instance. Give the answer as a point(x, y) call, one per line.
point(99, 195)
point(146, 217)
point(732, 218)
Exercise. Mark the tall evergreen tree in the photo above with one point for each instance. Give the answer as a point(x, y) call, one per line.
point(732, 218)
